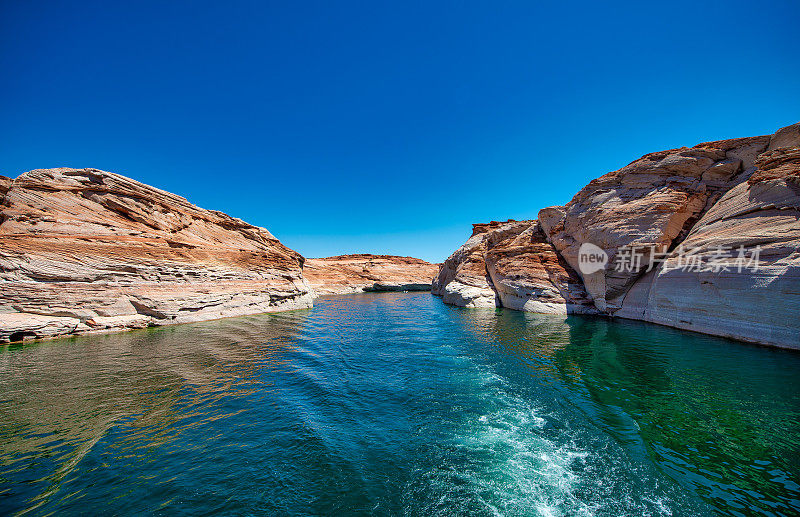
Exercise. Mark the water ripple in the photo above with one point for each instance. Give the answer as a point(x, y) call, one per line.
point(395, 404)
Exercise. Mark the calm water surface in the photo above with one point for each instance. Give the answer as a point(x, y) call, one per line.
point(395, 404)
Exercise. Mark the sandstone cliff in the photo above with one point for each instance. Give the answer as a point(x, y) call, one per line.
point(345, 274)
point(83, 249)
point(511, 264)
point(714, 197)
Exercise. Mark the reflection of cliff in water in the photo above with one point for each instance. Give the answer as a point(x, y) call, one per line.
point(54, 397)
point(535, 339)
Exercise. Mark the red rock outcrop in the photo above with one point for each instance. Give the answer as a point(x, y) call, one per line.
point(726, 194)
point(463, 279)
point(511, 264)
point(83, 249)
point(345, 274)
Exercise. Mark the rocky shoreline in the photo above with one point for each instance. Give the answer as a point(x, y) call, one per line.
point(83, 250)
point(721, 204)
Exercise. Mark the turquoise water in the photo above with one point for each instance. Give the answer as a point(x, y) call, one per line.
point(395, 404)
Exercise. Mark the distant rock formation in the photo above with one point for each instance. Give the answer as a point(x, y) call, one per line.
point(86, 250)
point(345, 274)
point(740, 194)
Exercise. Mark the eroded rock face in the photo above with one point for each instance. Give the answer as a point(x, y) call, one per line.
point(734, 298)
point(511, 264)
point(345, 274)
point(463, 279)
point(650, 203)
point(109, 252)
point(721, 195)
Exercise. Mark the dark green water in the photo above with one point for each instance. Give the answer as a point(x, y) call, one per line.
point(395, 404)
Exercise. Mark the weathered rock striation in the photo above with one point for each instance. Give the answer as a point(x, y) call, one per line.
point(715, 201)
point(87, 250)
point(511, 264)
point(346, 274)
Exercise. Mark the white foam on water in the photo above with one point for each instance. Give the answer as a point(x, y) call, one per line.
point(509, 467)
point(503, 457)
point(499, 451)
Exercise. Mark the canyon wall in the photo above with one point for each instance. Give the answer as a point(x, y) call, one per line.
point(722, 204)
point(87, 250)
point(346, 274)
point(511, 264)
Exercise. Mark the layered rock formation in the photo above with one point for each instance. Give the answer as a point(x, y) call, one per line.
point(511, 264)
point(83, 249)
point(736, 299)
point(721, 201)
point(345, 274)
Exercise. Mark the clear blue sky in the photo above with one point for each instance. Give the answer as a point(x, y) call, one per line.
point(384, 127)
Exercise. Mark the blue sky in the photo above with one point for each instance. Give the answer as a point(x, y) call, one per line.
point(384, 127)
